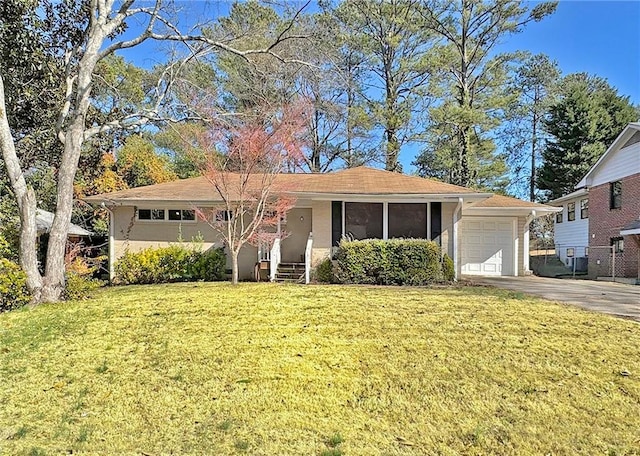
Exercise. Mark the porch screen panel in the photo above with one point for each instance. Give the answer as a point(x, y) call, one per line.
point(436, 221)
point(363, 220)
point(336, 222)
point(407, 220)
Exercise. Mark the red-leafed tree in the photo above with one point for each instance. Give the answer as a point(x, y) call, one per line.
point(245, 162)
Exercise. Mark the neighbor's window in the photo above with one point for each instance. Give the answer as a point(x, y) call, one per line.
point(586, 251)
point(185, 215)
point(570, 252)
point(615, 195)
point(559, 215)
point(584, 208)
point(363, 220)
point(150, 214)
point(571, 212)
point(407, 220)
point(618, 244)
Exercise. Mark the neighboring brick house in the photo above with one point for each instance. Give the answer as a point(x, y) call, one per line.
point(613, 188)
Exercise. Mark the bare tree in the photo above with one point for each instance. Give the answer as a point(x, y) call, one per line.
point(245, 163)
point(99, 37)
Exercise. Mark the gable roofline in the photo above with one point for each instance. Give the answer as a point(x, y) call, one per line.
point(617, 144)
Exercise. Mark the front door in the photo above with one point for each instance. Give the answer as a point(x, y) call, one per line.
point(296, 229)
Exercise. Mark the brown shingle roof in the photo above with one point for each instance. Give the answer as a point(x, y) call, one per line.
point(507, 202)
point(360, 181)
point(371, 181)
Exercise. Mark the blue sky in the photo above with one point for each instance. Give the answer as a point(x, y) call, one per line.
point(598, 37)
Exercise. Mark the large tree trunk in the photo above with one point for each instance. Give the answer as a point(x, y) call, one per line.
point(54, 278)
point(28, 241)
point(234, 266)
point(393, 150)
point(26, 199)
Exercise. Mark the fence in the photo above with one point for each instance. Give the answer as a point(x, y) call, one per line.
point(574, 257)
point(605, 262)
point(559, 260)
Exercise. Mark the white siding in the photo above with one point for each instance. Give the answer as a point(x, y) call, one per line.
point(573, 234)
point(624, 162)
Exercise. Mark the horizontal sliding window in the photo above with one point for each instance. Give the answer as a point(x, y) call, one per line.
point(182, 215)
point(150, 214)
point(172, 215)
point(224, 216)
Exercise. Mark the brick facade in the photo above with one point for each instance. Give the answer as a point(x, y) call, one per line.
point(606, 223)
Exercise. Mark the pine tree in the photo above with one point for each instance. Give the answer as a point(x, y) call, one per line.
point(588, 117)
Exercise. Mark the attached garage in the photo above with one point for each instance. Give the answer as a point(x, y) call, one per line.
point(488, 246)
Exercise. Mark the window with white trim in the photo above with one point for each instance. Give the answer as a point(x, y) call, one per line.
point(571, 212)
point(584, 208)
point(272, 214)
point(151, 214)
point(615, 195)
point(224, 216)
point(166, 215)
point(618, 244)
point(181, 215)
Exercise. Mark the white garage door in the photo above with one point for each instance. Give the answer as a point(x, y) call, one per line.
point(487, 246)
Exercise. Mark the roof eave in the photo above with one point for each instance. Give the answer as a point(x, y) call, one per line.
point(470, 197)
point(333, 196)
point(578, 193)
point(514, 211)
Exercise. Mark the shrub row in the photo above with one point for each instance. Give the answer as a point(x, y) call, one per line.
point(392, 262)
point(13, 286)
point(176, 263)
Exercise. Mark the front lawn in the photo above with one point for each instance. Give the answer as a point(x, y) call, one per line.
point(317, 370)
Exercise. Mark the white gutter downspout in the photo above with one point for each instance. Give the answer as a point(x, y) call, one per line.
point(456, 219)
point(111, 242)
point(525, 242)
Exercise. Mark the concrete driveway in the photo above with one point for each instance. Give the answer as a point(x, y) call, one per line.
point(606, 297)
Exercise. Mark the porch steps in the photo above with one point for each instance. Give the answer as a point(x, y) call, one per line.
point(290, 272)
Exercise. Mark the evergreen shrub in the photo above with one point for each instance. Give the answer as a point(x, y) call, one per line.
point(324, 271)
point(392, 262)
point(13, 286)
point(175, 263)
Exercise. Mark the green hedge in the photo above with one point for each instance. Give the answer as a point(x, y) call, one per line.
point(176, 263)
point(13, 286)
point(392, 262)
point(323, 272)
point(79, 287)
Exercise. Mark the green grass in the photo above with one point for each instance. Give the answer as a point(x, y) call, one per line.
point(317, 370)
